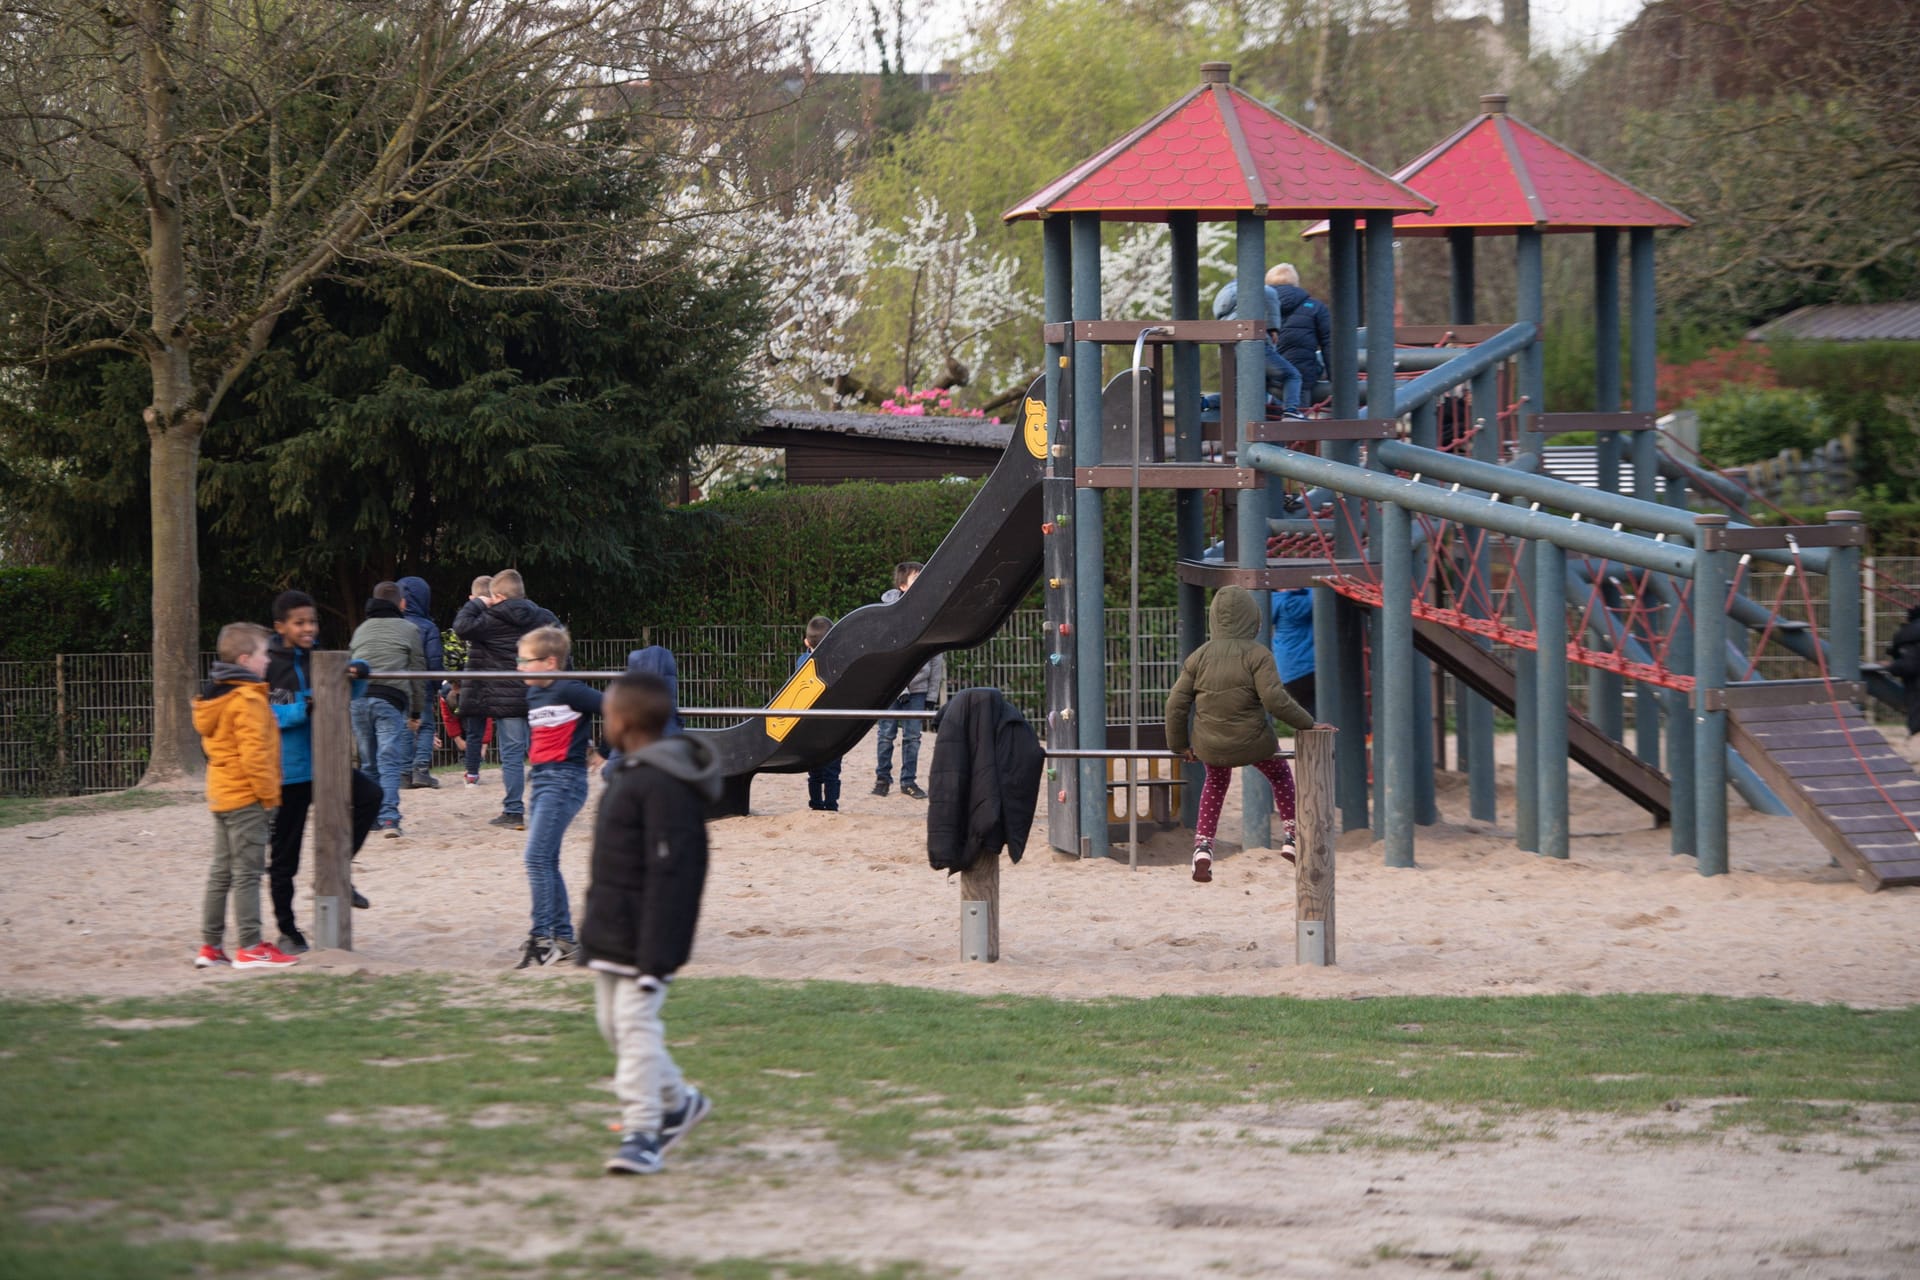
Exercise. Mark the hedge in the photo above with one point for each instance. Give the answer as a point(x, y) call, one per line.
point(51, 610)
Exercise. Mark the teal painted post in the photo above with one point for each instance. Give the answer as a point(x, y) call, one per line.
point(1529, 268)
point(1844, 603)
point(1713, 568)
point(1482, 795)
point(1460, 252)
point(1063, 780)
point(1426, 805)
point(1250, 389)
point(1680, 725)
point(1089, 551)
point(1550, 620)
point(1338, 673)
point(1393, 756)
point(1605, 689)
point(1380, 294)
point(1643, 398)
point(1190, 509)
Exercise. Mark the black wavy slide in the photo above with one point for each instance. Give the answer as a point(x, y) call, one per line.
point(973, 580)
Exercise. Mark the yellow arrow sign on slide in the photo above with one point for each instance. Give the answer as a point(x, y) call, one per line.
point(801, 692)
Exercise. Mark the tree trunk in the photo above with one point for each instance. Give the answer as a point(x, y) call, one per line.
point(175, 460)
point(174, 420)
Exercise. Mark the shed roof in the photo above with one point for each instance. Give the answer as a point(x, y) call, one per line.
point(1842, 322)
point(1497, 175)
point(1219, 153)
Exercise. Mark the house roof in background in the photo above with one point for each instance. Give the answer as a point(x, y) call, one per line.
point(965, 433)
point(1846, 322)
point(1219, 152)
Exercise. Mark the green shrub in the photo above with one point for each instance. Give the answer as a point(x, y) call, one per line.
point(1747, 425)
point(1855, 382)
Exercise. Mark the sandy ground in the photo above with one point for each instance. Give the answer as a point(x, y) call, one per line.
point(796, 894)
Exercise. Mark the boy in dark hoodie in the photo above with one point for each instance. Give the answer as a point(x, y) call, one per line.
point(492, 626)
point(418, 598)
point(649, 869)
point(1305, 329)
point(387, 716)
point(242, 743)
point(1231, 686)
point(296, 625)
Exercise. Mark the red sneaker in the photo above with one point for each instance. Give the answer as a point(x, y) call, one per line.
point(209, 957)
point(263, 955)
point(1202, 869)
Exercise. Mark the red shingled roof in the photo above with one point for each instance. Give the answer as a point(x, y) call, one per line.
point(1219, 153)
point(1498, 174)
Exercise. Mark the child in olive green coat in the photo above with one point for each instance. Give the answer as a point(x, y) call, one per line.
point(1231, 687)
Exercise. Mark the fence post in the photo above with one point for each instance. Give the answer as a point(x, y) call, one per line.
point(332, 816)
point(60, 726)
point(980, 910)
point(1313, 838)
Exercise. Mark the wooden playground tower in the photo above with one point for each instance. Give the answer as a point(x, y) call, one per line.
point(1218, 154)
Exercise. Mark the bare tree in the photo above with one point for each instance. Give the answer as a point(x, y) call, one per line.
point(175, 173)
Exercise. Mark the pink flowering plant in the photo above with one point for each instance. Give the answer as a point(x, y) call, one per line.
point(934, 401)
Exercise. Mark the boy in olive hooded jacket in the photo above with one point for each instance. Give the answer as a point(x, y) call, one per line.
point(1231, 688)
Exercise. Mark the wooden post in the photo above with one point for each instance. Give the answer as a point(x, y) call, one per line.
point(980, 911)
point(330, 823)
point(1313, 837)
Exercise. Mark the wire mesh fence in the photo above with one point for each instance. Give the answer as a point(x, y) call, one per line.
point(81, 723)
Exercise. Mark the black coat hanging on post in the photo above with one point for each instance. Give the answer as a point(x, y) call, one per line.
point(985, 781)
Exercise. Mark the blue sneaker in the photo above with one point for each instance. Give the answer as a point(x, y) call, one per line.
point(674, 1125)
point(638, 1153)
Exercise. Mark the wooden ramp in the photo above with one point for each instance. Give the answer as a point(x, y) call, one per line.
point(1493, 680)
point(1839, 776)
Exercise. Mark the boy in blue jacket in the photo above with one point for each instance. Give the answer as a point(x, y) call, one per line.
point(296, 625)
point(419, 611)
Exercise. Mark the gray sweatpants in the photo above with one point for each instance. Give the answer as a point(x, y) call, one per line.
point(239, 860)
point(645, 1078)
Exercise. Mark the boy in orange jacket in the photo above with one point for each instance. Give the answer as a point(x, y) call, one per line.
point(242, 742)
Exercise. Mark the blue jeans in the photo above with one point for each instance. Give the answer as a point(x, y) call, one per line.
point(558, 792)
point(429, 726)
point(510, 735)
point(1283, 380)
point(386, 750)
point(909, 740)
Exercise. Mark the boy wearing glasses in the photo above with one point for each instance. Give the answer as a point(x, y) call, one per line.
point(559, 716)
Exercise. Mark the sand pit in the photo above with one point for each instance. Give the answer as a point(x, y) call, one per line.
point(1311, 1189)
point(798, 894)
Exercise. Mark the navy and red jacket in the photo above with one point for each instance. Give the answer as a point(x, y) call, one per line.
point(559, 718)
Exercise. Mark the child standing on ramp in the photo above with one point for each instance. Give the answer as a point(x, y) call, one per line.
point(1231, 686)
point(649, 868)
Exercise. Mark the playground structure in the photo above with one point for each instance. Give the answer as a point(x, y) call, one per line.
point(1402, 550)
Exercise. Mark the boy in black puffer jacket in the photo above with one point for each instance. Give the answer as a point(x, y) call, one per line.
point(492, 626)
point(649, 868)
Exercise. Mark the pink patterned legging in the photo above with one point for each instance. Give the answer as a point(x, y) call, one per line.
point(1213, 793)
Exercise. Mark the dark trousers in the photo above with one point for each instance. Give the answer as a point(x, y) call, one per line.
point(1300, 689)
point(290, 826)
point(823, 787)
point(474, 730)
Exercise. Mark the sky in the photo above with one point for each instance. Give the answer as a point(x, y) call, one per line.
point(936, 27)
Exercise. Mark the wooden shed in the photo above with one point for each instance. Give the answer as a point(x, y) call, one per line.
point(828, 448)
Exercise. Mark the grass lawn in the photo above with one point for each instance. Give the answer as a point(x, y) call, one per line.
point(127, 1119)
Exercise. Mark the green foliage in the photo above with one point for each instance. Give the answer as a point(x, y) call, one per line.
point(1745, 425)
point(792, 552)
point(1893, 528)
point(51, 611)
point(1868, 388)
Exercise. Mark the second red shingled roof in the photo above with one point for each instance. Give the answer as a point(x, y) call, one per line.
point(1219, 153)
point(1497, 175)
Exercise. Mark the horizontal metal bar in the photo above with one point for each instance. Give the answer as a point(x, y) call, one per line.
point(1281, 430)
point(800, 713)
point(1121, 753)
point(1471, 360)
point(1555, 423)
point(1595, 504)
point(1127, 332)
point(1363, 482)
